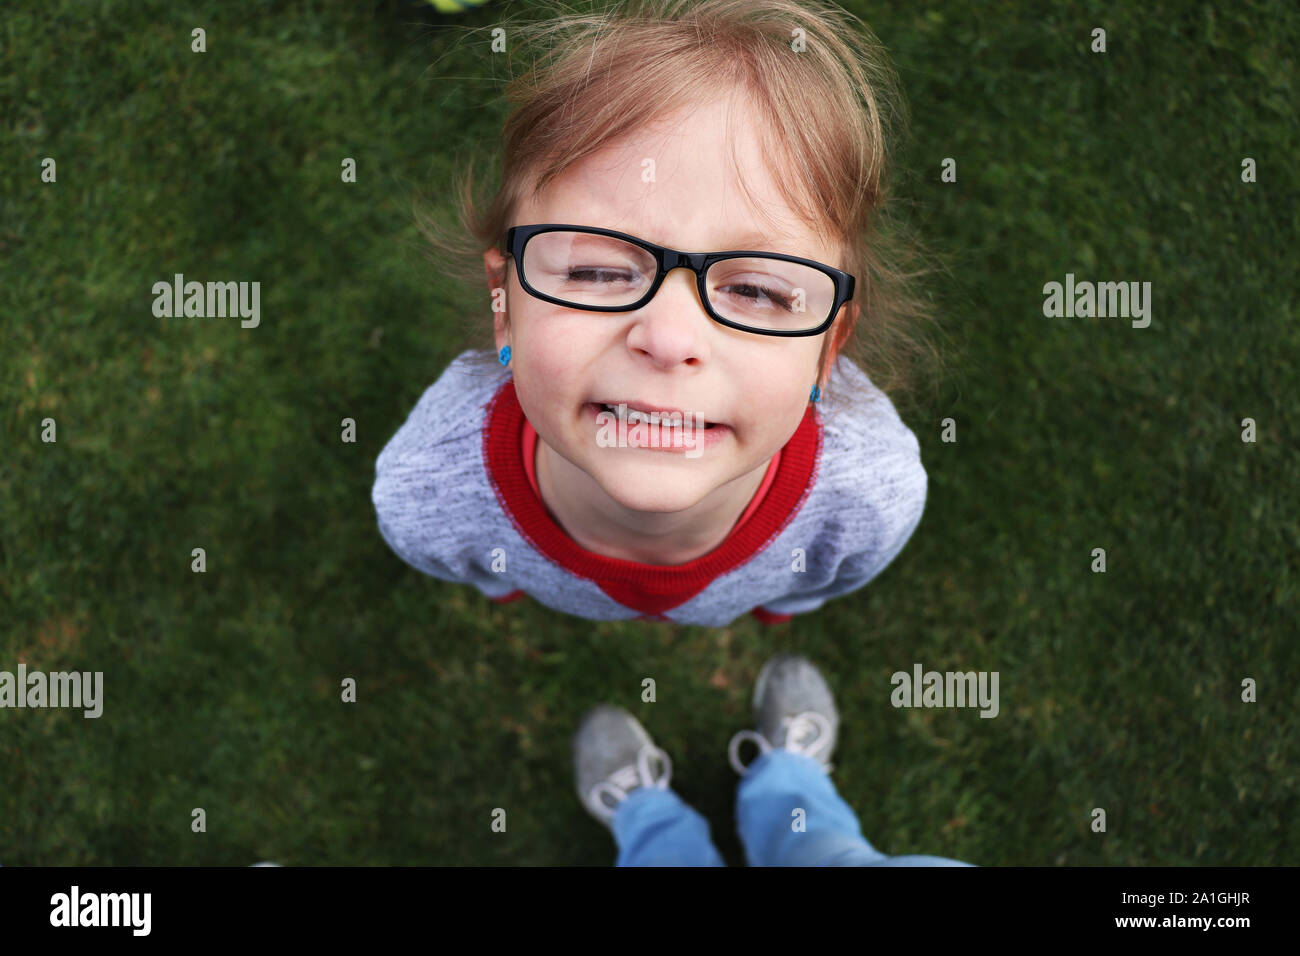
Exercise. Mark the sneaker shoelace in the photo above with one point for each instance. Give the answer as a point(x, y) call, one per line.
point(807, 733)
point(628, 778)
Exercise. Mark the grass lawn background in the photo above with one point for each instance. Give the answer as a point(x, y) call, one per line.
point(1118, 690)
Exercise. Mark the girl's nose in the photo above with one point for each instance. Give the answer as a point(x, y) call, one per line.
point(673, 328)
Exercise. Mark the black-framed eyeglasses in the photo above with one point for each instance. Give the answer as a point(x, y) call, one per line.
point(601, 270)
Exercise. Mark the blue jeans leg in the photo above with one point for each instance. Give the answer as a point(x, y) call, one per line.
point(778, 783)
point(654, 827)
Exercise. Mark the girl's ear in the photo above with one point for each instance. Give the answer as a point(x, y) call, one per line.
point(494, 270)
point(840, 331)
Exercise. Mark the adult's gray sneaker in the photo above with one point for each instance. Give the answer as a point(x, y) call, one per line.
point(794, 709)
point(612, 756)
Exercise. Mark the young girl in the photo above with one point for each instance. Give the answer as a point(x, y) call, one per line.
point(687, 226)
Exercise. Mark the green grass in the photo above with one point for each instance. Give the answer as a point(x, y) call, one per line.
point(1118, 690)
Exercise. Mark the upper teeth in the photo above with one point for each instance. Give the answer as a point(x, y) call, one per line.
point(634, 415)
point(629, 414)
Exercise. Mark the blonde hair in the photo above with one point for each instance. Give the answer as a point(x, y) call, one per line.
point(830, 109)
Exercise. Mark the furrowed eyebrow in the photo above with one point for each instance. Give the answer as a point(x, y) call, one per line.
point(775, 242)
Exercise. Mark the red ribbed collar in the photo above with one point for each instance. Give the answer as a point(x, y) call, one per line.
point(649, 588)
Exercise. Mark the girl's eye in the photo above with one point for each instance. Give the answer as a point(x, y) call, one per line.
point(597, 274)
point(753, 292)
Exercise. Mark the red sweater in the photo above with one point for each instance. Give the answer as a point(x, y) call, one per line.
point(456, 497)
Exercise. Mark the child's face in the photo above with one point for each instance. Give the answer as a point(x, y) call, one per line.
point(669, 353)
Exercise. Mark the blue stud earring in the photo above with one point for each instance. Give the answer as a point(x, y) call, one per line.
point(816, 395)
point(504, 355)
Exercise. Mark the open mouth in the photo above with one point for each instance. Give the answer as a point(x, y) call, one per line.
point(664, 419)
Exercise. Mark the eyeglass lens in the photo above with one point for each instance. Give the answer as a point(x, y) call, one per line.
point(585, 269)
